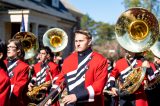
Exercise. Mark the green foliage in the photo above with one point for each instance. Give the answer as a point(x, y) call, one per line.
point(105, 31)
point(151, 5)
point(87, 22)
point(100, 30)
point(131, 3)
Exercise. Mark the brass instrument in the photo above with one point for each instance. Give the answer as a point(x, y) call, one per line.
point(133, 81)
point(38, 92)
point(52, 95)
point(156, 49)
point(153, 84)
point(136, 30)
point(29, 43)
point(56, 39)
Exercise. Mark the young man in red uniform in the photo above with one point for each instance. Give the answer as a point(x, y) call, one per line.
point(17, 71)
point(153, 90)
point(84, 74)
point(121, 71)
point(45, 70)
point(4, 79)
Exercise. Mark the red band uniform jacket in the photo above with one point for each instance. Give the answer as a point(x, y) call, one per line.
point(86, 80)
point(18, 73)
point(51, 69)
point(4, 88)
point(153, 91)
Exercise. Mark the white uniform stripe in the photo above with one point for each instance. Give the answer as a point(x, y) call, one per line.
point(38, 78)
point(11, 66)
point(42, 70)
point(72, 86)
point(91, 93)
point(71, 79)
point(128, 68)
point(43, 80)
point(108, 85)
point(124, 76)
point(34, 78)
point(11, 90)
point(157, 71)
point(109, 67)
point(56, 87)
point(54, 79)
point(75, 71)
point(111, 79)
point(151, 77)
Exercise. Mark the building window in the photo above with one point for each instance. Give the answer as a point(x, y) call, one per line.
point(55, 3)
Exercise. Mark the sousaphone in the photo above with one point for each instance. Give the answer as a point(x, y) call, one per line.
point(29, 43)
point(136, 31)
point(56, 39)
point(156, 48)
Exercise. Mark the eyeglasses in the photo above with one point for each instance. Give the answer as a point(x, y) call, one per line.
point(12, 47)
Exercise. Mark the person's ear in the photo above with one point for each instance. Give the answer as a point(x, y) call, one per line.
point(18, 51)
point(1, 55)
point(90, 42)
point(48, 56)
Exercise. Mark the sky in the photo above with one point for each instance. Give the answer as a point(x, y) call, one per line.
point(100, 10)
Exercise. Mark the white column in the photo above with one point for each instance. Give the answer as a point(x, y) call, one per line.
point(26, 22)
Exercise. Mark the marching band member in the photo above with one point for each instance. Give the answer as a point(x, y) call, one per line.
point(111, 99)
point(45, 70)
point(153, 92)
point(84, 73)
point(121, 71)
point(58, 59)
point(4, 78)
point(17, 71)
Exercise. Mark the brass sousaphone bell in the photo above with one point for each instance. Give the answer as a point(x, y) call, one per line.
point(136, 30)
point(56, 39)
point(29, 43)
point(156, 48)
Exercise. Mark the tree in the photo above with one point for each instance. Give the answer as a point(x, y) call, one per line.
point(87, 22)
point(131, 3)
point(100, 30)
point(105, 31)
point(151, 5)
point(103, 36)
